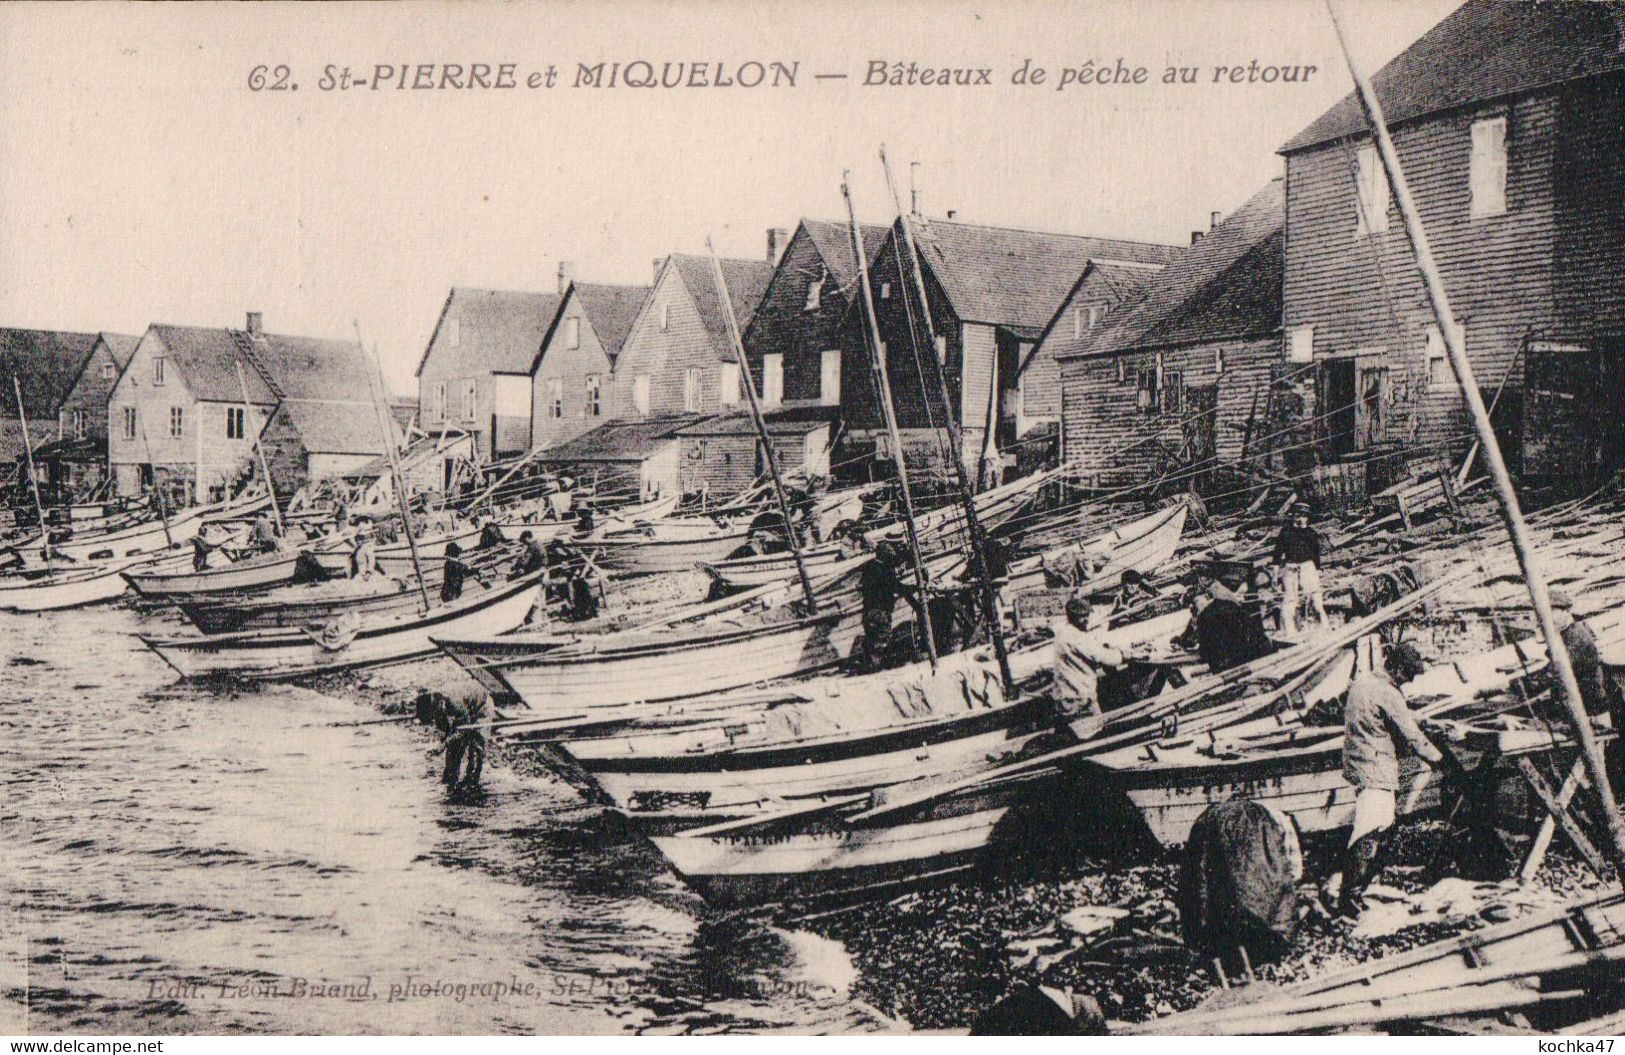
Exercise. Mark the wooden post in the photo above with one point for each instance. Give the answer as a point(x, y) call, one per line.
point(33, 474)
point(265, 469)
point(761, 425)
point(890, 414)
point(375, 382)
point(973, 523)
point(1522, 543)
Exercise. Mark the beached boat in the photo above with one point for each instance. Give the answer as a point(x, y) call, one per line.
point(945, 526)
point(269, 654)
point(250, 573)
point(745, 572)
point(396, 558)
point(70, 587)
point(1555, 958)
point(144, 537)
point(1141, 545)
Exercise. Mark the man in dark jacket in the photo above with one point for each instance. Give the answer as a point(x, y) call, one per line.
point(459, 721)
point(1228, 634)
point(1297, 554)
point(880, 586)
point(455, 573)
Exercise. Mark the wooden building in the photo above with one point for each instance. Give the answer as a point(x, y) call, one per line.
point(1179, 374)
point(678, 356)
point(572, 370)
point(45, 363)
point(1509, 119)
point(795, 336)
point(186, 410)
point(993, 291)
point(632, 458)
point(721, 455)
point(474, 376)
point(83, 414)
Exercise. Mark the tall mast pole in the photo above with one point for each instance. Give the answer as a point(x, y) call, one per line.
point(157, 489)
point(872, 337)
point(1522, 542)
point(265, 468)
point(978, 537)
point(33, 474)
point(375, 384)
point(761, 425)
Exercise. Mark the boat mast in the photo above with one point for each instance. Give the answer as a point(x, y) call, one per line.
point(146, 446)
point(877, 349)
point(375, 384)
point(761, 425)
point(33, 474)
point(1517, 528)
point(973, 523)
point(265, 469)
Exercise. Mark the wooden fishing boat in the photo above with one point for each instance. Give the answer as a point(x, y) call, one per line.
point(1142, 545)
point(71, 587)
point(655, 665)
point(1551, 958)
point(270, 654)
point(396, 558)
point(144, 537)
point(250, 573)
point(664, 548)
point(745, 572)
point(994, 507)
point(1298, 768)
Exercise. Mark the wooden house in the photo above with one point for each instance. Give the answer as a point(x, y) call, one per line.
point(186, 410)
point(1509, 120)
point(794, 339)
point(721, 455)
point(572, 370)
point(45, 364)
point(474, 376)
point(631, 458)
point(1179, 374)
point(993, 291)
point(678, 356)
point(75, 463)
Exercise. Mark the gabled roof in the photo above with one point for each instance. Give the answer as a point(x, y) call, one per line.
point(121, 346)
point(1484, 50)
point(746, 280)
point(1226, 285)
point(1128, 283)
point(834, 244)
point(1016, 278)
point(498, 328)
point(327, 392)
point(206, 358)
point(335, 426)
point(611, 310)
point(620, 440)
point(46, 364)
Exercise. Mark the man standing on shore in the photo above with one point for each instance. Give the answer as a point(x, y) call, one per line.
point(1376, 721)
point(1297, 553)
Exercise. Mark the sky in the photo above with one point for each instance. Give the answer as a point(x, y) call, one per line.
point(143, 180)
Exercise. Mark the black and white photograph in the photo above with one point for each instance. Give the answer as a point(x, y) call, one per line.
point(867, 517)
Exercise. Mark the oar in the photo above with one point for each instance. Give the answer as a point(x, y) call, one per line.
point(393, 719)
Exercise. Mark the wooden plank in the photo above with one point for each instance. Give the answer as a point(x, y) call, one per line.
point(1560, 812)
point(1548, 825)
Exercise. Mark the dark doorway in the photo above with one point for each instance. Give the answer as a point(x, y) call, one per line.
point(1339, 406)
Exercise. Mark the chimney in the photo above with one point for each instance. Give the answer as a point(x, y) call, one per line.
point(658, 263)
point(256, 323)
point(777, 239)
point(914, 188)
point(1196, 236)
point(1213, 219)
point(566, 273)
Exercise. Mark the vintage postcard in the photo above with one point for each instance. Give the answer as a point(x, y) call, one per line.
point(856, 517)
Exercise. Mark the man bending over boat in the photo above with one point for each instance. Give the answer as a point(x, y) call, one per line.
point(1080, 656)
point(1376, 722)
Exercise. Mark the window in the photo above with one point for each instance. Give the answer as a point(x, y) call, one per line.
point(1173, 392)
point(1487, 170)
point(235, 424)
point(470, 397)
point(665, 317)
point(107, 371)
point(594, 407)
point(1440, 375)
point(772, 380)
point(439, 405)
point(829, 377)
point(885, 291)
point(572, 332)
point(177, 422)
point(454, 333)
point(815, 290)
point(78, 424)
point(1094, 314)
point(1084, 319)
point(640, 393)
point(1372, 209)
point(1122, 371)
point(129, 423)
point(158, 370)
point(555, 397)
point(942, 348)
point(691, 389)
point(1145, 383)
point(728, 384)
point(1300, 346)
point(1218, 360)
